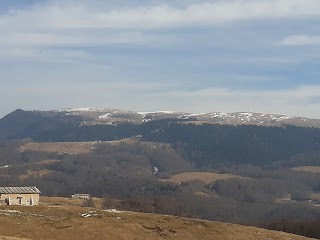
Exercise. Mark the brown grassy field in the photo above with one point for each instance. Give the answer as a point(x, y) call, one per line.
point(60, 147)
point(45, 162)
point(69, 201)
point(206, 177)
point(78, 147)
point(314, 169)
point(48, 221)
point(11, 238)
point(121, 141)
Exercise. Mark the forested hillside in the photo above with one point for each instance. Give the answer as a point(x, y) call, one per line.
point(208, 144)
point(246, 174)
point(204, 145)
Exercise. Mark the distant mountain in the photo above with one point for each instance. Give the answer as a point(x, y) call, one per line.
point(111, 116)
point(108, 116)
point(23, 124)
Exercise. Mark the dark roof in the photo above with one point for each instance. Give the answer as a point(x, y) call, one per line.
point(19, 190)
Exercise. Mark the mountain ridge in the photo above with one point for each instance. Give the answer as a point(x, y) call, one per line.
point(102, 116)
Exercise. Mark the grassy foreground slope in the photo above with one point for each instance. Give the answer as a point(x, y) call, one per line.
point(49, 221)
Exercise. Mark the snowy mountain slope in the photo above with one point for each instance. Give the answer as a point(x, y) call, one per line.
point(103, 116)
point(109, 116)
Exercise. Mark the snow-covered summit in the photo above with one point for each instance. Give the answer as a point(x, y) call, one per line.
point(96, 115)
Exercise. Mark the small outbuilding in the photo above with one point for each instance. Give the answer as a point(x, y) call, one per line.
point(26, 196)
point(81, 196)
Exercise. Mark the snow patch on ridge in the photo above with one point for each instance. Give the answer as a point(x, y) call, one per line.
point(105, 116)
point(212, 117)
point(83, 109)
point(156, 112)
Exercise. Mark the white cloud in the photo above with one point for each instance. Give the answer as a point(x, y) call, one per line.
point(82, 23)
point(66, 16)
point(63, 31)
point(301, 40)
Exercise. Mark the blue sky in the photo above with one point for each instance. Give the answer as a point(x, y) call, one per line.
point(180, 55)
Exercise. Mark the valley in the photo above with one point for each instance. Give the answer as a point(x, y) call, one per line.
point(266, 176)
point(149, 120)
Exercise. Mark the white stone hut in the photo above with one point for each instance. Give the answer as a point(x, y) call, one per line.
point(26, 196)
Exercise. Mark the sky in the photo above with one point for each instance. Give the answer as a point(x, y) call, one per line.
point(146, 55)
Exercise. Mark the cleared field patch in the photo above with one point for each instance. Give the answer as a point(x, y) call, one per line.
point(60, 147)
point(206, 177)
point(46, 162)
point(81, 147)
point(313, 169)
point(71, 147)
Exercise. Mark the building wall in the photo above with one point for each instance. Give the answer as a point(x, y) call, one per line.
point(20, 199)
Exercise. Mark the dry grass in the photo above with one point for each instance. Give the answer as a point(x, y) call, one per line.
point(122, 141)
point(206, 177)
point(313, 169)
point(60, 147)
point(65, 222)
point(79, 147)
point(60, 201)
point(68, 201)
point(12, 238)
point(71, 147)
point(46, 162)
point(315, 197)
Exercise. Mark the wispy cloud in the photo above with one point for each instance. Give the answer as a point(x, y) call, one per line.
point(220, 55)
point(71, 15)
point(84, 38)
point(70, 23)
point(301, 40)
